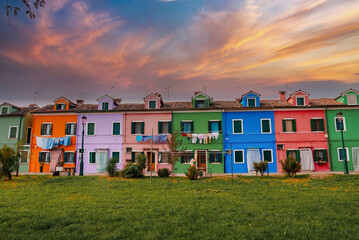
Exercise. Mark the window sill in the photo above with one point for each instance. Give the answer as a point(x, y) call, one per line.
point(216, 163)
point(239, 163)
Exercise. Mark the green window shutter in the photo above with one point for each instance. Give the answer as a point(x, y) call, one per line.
point(284, 127)
point(287, 153)
point(211, 157)
point(50, 129)
point(92, 157)
point(325, 155)
point(116, 155)
point(237, 126)
point(132, 127)
point(238, 157)
point(159, 127)
point(251, 102)
point(170, 127)
point(294, 126)
point(90, 129)
point(209, 126)
point(312, 124)
point(265, 126)
point(192, 127)
point(315, 155)
point(133, 157)
point(48, 157)
point(142, 127)
point(195, 103)
point(182, 126)
point(321, 124)
point(42, 129)
point(267, 155)
point(116, 129)
point(75, 128)
point(298, 156)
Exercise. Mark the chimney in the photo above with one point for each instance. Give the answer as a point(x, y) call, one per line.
point(282, 95)
point(196, 92)
point(80, 102)
point(33, 105)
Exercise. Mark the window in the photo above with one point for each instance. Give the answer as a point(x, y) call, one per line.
point(352, 99)
point(251, 102)
point(164, 127)
point(187, 127)
point(300, 101)
point(69, 157)
point(266, 128)
point(214, 126)
point(215, 156)
point(92, 157)
point(116, 128)
point(4, 110)
point(44, 156)
point(46, 129)
point(341, 154)
point(134, 154)
point(339, 125)
point(116, 155)
point(238, 156)
point(164, 157)
point(293, 154)
point(317, 125)
point(152, 104)
point(90, 129)
point(200, 103)
point(187, 156)
point(28, 135)
point(105, 106)
point(70, 129)
point(12, 132)
point(24, 156)
point(60, 106)
point(267, 155)
point(137, 128)
point(320, 155)
point(289, 125)
point(237, 126)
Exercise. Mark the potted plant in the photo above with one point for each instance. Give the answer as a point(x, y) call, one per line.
point(60, 167)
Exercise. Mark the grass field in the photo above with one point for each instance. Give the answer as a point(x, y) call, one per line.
point(94, 207)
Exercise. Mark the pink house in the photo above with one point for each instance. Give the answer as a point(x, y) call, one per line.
point(301, 132)
point(141, 121)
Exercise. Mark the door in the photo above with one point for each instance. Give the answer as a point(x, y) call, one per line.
point(355, 153)
point(151, 167)
point(202, 160)
point(253, 155)
point(306, 159)
point(101, 161)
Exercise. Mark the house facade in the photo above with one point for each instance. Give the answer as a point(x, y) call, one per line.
point(16, 130)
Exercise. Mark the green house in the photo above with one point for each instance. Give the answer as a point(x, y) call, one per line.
point(15, 130)
point(200, 122)
point(349, 97)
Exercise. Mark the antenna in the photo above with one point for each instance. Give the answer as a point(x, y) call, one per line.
point(286, 85)
point(168, 93)
point(113, 91)
point(35, 97)
point(82, 94)
point(205, 90)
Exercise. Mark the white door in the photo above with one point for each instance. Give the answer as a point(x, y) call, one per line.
point(306, 159)
point(101, 161)
point(355, 157)
point(253, 155)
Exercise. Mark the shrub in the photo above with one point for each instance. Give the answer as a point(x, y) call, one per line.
point(192, 173)
point(111, 168)
point(260, 167)
point(8, 161)
point(290, 166)
point(141, 161)
point(131, 171)
point(163, 172)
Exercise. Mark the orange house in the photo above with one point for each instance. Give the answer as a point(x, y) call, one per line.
point(54, 136)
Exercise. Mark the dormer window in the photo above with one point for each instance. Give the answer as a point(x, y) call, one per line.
point(4, 110)
point(300, 101)
point(352, 99)
point(105, 106)
point(60, 106)
point(251, 102)
point(152, 104)
point(201, 103)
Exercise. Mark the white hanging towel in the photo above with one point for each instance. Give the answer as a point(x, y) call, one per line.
point(253, 155)
point(355, 157)
point(306, 159)
point(39, 142)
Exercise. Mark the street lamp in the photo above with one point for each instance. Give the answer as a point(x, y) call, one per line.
point(83, 122)
point(340, 119)
point(232, 158)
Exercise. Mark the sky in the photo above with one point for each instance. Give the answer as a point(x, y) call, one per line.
point(131, 48)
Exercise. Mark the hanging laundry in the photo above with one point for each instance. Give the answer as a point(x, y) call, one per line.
point(39, 141)
point(62, 140)
point(67, 141)
point(201, 137)
point(194, 138)
point(145, 138)
point(156, 139)
point(47, 143)
point(149, 137)
point(138, 138)
point(215, 135)
point(189, 136)
point(163, 138)
point(184, 134)
point(56, 142)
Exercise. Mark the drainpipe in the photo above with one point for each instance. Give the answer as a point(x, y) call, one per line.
point(328, 142)
point(18, 146)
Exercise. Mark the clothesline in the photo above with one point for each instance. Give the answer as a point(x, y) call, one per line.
point(50, 143)
point(201, 138)
point(156, 138)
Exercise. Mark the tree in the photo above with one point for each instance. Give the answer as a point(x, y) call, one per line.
point(290, 166)
point(174, 144)
point(29, 5)
point(8, 161)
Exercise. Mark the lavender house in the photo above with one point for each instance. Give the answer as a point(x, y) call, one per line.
point(103, 134)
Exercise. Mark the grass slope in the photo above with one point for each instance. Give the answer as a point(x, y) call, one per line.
point(44, 207)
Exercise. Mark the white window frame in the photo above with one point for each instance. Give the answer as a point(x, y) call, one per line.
point(94, 129)
point(74, 158)
point(49, 123)
point(75, 129)
point(120, 129)
point(234, 156)
point(165, 121)
point(119, 154)
point(159, 153)
point(108, 105)
point(271, 150)
point(27, 158)
point(292, 126)
point(62, 104)
point(347, 150)
point(139, 134)
point(17, 132)
point(45, 158)
point(296, 101)
point(7, 111)
point(233, 125)
point(152, 101)
point(344, 125)
point(270, 126)
point(355, 97)
point(90, 155)
point(201, 99)
point(318, 118)
point(255, 102)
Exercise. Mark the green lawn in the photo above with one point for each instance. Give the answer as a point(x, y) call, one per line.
point(46, 207)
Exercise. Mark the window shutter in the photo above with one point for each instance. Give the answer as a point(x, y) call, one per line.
point(50, 129)
point(284, 128)
point(159, 127)
point(48, 157)
point(287, 153)
point(195, 103)
point(325, 155)
point(312, 124)
point(75, 128)
point(40, 156)
point(315, 154)
point(132, 128)
point(211, 157)
point(237, 126)
point(42, 129)
point(192, 127)
point(219, 126)
point(182, 126)
point(294, 125)
point(321, 124)
point(142, 127)
point(298, 156)
point(209, 126)
point(170, 127)
point(133, 157)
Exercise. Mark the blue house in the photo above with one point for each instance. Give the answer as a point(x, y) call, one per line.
point(248, 134)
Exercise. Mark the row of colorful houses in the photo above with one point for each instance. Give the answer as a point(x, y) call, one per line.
point(222, 136)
